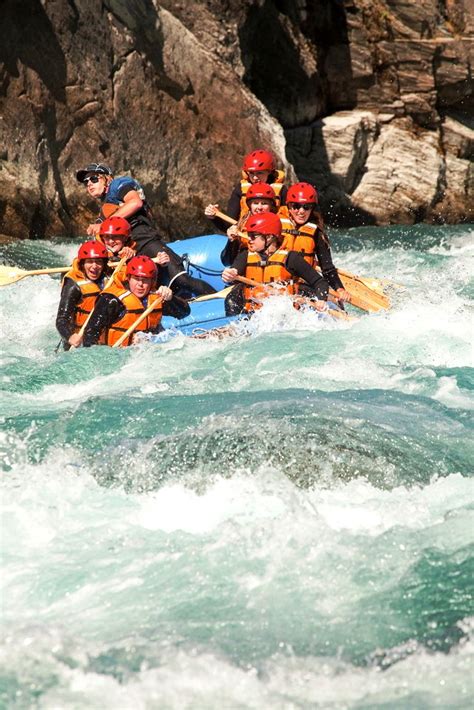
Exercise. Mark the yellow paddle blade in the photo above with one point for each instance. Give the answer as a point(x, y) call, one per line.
point(364, 297)
point(11, 274)
point(8, 275)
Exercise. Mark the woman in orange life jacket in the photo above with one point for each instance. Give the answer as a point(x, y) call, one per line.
point(119, 306)
point(258, 166)
point(266, 262)
point(80, 289)
point(260, 198)
point(303, 231)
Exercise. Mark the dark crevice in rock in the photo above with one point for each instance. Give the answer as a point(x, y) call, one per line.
point(27, 36)
point(141, 19)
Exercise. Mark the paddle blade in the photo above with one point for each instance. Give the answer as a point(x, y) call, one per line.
point(364, 297)
point(9, 275)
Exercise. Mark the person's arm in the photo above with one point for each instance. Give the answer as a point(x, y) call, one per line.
point(177, 308)
point(298, 266)
point(132, 202)
point(230, 251)
point(70, 298)
point(238, 268)
point(324, 257)
point(107, 310)
point(233, 206)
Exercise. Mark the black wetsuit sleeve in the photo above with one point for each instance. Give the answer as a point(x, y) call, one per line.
point(177, 308)
point(240, 262)
point(107, 310)
point(297, 266)
point(230, 251)
point(233, 206)
point(218, 224)
point(70, 298)
point(324, 257)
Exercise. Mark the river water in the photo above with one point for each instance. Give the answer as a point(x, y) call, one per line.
point(277, 520)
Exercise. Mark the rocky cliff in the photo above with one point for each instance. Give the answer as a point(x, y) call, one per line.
point(371, 100)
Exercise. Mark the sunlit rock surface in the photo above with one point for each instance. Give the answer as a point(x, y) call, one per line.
point(369, 99)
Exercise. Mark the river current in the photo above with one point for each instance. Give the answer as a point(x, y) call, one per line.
point(282, 519)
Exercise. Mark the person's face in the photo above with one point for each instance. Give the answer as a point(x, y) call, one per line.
point(299, 212)
point(255, 176)
point(114, 243)
point(259, 205)
point(257, 242)
point(95, 184)
point(140, 286)
point(93, 268)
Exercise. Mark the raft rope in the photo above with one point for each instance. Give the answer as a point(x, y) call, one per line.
point(207, 272)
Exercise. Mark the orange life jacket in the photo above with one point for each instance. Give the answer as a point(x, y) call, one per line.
point(299, 238)
point(245, 184)
point(265, 272)
point(89, 292)
point(134, 308)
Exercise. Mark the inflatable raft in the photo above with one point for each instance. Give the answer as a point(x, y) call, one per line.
point(201, 258)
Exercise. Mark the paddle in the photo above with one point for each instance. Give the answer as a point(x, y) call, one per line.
point(210, 296)
point(11, 274)
point(368, 292)
point(137, 322)
point(331, 312)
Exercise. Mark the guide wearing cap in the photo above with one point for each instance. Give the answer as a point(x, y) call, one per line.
point(128, 196)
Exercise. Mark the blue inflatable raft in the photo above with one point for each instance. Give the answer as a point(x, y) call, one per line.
point(201, 257)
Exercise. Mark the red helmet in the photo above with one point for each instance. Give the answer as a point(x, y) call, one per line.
point(115, 227)
point(142, 266)
point(259, 160)
point(260, 190)
point(92, 250)
point(302, 192)
point(268, 223)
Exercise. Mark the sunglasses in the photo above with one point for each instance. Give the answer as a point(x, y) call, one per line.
point(256, 236)
point(300, 205)
point(92, 178)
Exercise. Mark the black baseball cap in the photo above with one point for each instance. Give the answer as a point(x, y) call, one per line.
point(99, 168)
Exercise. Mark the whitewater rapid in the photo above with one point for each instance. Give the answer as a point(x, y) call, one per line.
point(282, 519)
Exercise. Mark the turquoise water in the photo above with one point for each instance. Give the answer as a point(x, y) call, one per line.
point(283, 519)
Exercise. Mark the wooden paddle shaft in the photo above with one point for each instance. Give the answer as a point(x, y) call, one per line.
point(137, 322)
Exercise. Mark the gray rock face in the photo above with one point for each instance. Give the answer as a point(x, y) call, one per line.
point(368, 99)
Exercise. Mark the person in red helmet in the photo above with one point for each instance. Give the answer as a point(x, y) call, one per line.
point(303, 231)
point(119, 305)
point(80, 288)
point(116, 234)
point(258, 167)
point(260, 198)
point(266, 262)
point(126, 197)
